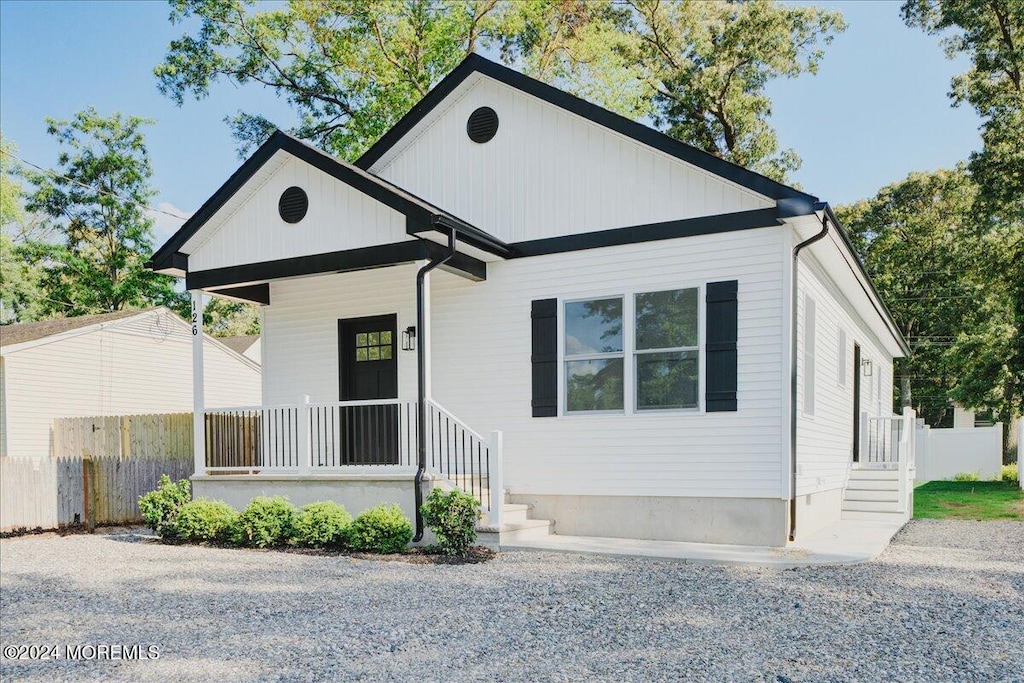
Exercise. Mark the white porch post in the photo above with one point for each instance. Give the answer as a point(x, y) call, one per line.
point(198, 402)
point(305, 455)
point(497, 485)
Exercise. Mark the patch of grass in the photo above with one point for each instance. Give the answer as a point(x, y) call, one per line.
point(980, 500)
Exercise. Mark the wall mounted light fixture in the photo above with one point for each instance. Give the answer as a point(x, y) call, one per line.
point(409, 338)
point(865, 366)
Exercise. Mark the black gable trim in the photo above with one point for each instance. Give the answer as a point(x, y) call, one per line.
point(415, 209)
point(336, 262)
point(256, 294)
point(559, 98)
point(651, 232)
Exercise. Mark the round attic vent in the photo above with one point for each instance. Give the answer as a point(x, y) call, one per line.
point(293, 204)
point(482, 124)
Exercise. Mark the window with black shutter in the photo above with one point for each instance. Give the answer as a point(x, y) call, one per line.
point(544, 358)
point(720, 346)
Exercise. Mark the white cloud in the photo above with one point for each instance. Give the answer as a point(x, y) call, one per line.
point(164, 225)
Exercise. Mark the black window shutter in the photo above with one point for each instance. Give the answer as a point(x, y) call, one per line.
point(544, 322)
point(720, 346)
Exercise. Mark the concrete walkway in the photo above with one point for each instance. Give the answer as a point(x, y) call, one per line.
point(845, 542)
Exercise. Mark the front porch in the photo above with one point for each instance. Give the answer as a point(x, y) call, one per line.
point(880, 483)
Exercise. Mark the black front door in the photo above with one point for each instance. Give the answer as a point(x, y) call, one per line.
point(368, 368)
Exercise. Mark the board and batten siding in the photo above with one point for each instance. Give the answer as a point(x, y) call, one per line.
point(825, 439)
point(300, 330)
point(339, 217)
point(114, 371)
point(548, 172)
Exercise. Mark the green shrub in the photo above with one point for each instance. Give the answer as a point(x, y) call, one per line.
point(452, 516)
point(322, 525)
point(265, 522)
point(1009, 473)
point(205, 520)
point(382, 529)
point(967, 476)
point(160, 507)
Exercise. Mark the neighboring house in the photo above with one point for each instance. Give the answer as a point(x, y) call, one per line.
point(248, 345)
point(630, 312)
point(127, 362)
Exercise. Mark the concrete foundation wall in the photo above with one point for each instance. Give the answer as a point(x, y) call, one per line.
point(739, 521)
point(817, 510)
point(355, 492)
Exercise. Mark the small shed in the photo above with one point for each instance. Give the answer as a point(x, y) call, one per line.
point(125, 362)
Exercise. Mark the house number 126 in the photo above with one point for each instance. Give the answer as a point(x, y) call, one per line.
point(195, 319)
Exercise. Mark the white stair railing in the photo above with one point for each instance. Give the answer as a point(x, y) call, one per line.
point(906, 460)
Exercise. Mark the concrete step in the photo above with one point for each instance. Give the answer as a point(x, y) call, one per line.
point(892, 496)
point(873, 485)
point(873, 474)
point(870, 506)
point(861, 516)
point(510, 512)
point(529, 530)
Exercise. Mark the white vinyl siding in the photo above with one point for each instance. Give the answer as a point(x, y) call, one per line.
point(548, 172)
point(143, 367)
point(339, 217)
point(810, 353)
point(825, 442)
point(481, 364)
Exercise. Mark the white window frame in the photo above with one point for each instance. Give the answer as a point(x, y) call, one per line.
point(641, 352)
point(841, 360)
point(629, 348)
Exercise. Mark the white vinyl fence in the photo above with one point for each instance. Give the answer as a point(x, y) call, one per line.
point(944, 453)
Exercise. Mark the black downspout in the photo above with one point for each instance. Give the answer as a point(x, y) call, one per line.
point(792, 377)
point(421, 388)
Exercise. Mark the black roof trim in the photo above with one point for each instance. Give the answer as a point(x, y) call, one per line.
point(651, 232)
point(335, 262)
point(255, 294)
point(559, 98)
point(413, 207)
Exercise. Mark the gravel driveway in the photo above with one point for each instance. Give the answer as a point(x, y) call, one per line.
point(944, 602)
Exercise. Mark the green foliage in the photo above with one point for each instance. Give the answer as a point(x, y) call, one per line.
point(919, 240)
point(452, 516)
point(1009, 473)
point(351, 68)
point(205, 520)
point(989, 33)
point(20, 272)
point(966, 476)
point(266, 522)
point(160, 507)
point(381, 529)
point(223, 318)
point(979, 500)
point(97, 204)
point(322, 525)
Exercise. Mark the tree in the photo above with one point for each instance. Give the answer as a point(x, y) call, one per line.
point(991, 34)
point(920, 242)
point(97, 201)
point(19, 273)
point(223, 318)
point(351, 68)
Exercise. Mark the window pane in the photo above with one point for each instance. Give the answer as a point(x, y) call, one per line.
point(385, 337)
point(385, 352)
point(666, 320)
point(593, 326)
point(374, 353)
point(373, 338)
point(361, 339)
point(666, 380)
point(594, 384)
point(360, 355)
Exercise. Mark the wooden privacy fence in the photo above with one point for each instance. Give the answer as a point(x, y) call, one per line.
point(166, 435)
point(98, 469)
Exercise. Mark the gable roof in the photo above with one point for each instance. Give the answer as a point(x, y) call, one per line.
point(240, 344)
point(19, 333)
point(645, 135)
point(420, 214)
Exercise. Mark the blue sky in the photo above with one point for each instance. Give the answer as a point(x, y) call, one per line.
point(876, 110)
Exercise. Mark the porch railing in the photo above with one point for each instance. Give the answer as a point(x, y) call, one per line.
point(312, 438)
point(890, 443)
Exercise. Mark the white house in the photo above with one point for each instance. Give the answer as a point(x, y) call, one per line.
point(248, 345)
point(629, 337)
point(127, 362)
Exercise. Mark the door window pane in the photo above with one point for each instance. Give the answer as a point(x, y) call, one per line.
point(593, 327)
point(666, 320)
point(360, 355)
point(666, 380)
point(594, 384)
point(361, 339)
point(373, 339)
